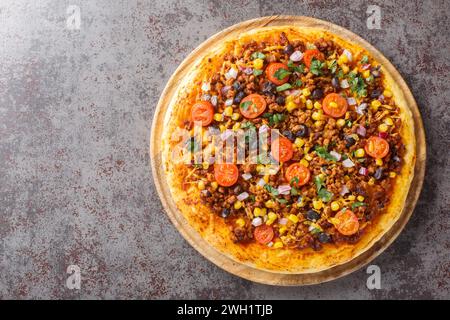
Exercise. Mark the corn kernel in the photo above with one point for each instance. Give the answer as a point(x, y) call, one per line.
point(238, 205)
point(290, 98)
point(307, 149)
point(360, 198)
point(335, 206)
point(333, 104)
point(383, 127)
point(277, 245)
point(340, 123)
point(389, 121)
point(259, 212)
point(299, 142)
point(240, 222)
point(272, 215)
point(342, 59)
point(371, 182)
point(218, 117)
point(293, 218)
point(236, 126)
point(347, 115)
point(375, 104)
point(316, 116)
point(366, 74)
point(282, 230)
point(304, 163)
point(291, 106)
point(303, 98)
point(392, 174)
point(228, 111)
point(351, 197)
point(201, 185)
point(222, 128)
point(379, 162)
point(359, 153)
point(258, 63)
point(387, 93)
point(306, 92)
point(235, 116)
point(270, 204)
point(260, 167)
point(317, 105)
point(345, 69)
point(266, 178)
point(205, 165)
point(308, 157)
point(214, 185)
point(317, 204)
point(318, 123)
point(309, 104)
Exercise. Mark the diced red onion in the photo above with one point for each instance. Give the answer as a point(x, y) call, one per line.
point(231, 74)
point(361, 108)
point(242, 196)
point(284, 189)
point(229, 102)
point(347, 163)
point(206, 97)
point(348, 54)
point(351, 101)
point(361, 130)
point(296, 56)
point(283, 221)
point(206, 86)
point(383, 135)
point(365, 66)
point(336, 155)
point(363, 171)
point(246, 176)
point(214, 100)
point(248, 70)
point(257, 221)
point(344, 190)
point(381, 97)
point(225, 89)
point(344, 84)
point(261, 182)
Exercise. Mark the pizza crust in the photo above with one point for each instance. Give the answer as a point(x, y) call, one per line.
point(213, 229)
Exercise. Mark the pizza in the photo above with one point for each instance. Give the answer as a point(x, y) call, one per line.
point(289, 149)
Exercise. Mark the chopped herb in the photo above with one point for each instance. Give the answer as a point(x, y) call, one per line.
point(370, 79)
point(325, 195)
point(348, 123)
point(282, 201)
point(281, 73)
point(257, 72)
point(300, 68)
point(274, 118)
point(319, 183)
point(245, 105)
point(358, 204)
point(284, 87)
point(316, 67)
point(247, 125)
point(252, 198)
point(274, 192)
point(316, 231)
point(298, 83)
point(323, 153)
point(294, 191)
point(364, 59)
point(257, 55)
point(357, 84)
point(340, 74)
point(294, 180)
point(332, 66)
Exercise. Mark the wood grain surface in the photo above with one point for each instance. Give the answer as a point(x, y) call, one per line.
point(200, 244)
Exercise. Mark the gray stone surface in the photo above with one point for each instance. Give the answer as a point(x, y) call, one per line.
point(75, 114)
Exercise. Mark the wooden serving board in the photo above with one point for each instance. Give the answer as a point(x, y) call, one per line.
point(211, 253)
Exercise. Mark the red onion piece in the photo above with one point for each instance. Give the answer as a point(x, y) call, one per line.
point(242, 196)
point(347, 163)
point(225, 89)
point(246, 176)
point(383, 135)
point(363, 171)
point(361, 130)
point(284, 189)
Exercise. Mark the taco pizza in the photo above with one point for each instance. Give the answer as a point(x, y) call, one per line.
point(337, 164)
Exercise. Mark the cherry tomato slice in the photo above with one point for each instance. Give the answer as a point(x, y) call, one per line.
point(202, 111)
point(282, 150)
point(297, 174)
point(252, 106)
point(226, 174)
point(311, 54)
point(334, 105)
point(271, 73)
point(348, 223)
point(377, 147)
point(263, 234)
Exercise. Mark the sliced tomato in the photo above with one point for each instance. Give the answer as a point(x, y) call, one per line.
point(202, 111)
point(297, 174)
point(348, 223)
point(271, 73)
point(263, 234)
point(334, 105)
point(226, 174)
point(311, 54)
point(282, 150)
point(377, 147)
point(252, 106)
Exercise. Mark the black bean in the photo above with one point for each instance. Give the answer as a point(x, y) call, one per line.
point(238, 97)
point(312, 215)
point(350, 141)
point(289, 49)
point(317, 94)
point(324, 237)
point(237, 86)
point(378, 174)
point(225, 213)
point(288, 134)
point(268, 87)
point(335, 83)
point(375, 93)
point(303, 131)
point(280, 100)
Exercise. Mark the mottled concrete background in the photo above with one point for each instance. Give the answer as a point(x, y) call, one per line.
point(75, 114)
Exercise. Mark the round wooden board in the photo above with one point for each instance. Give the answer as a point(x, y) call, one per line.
point(211, 253)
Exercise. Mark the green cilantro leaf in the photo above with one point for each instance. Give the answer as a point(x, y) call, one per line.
point(273, 191)
point(316, 67)
point(294, 180)
point(245, 105)
point(357, 84)
point(358, 204)
point(298, 83)
point(323, 153)
point(364, 59)
point(257, 55)
point(294, 191)
point(325, 195)
point(257, 72)
point(281, 73)
point(300, 68)
point(332, 66)
point(284, 87)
